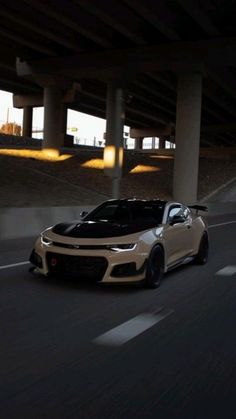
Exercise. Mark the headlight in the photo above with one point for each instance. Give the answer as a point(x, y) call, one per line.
point(45, 240)
point(121, 247)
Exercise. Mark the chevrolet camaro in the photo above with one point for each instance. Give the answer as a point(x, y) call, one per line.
point(126, 240)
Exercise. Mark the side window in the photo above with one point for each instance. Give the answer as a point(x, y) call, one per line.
point(179, 211)
point(186, 212)
point(172, 212)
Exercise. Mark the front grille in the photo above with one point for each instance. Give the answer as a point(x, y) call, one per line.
point(84, 267)
point(80, 246)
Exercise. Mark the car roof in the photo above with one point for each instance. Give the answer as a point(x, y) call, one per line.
point(148, 201)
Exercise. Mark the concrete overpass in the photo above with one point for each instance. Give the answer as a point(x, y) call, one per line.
point(168, 67)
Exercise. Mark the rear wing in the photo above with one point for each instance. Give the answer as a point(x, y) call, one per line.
point(198, 208)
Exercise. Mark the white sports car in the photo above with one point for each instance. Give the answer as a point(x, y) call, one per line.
point(126, 240)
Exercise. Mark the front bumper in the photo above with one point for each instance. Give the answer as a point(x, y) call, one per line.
point(105, 266)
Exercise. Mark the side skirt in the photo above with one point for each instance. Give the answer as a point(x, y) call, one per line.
point(180, 262)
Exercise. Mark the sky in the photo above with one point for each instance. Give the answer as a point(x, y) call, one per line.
point(88, 126)
point(90, 130)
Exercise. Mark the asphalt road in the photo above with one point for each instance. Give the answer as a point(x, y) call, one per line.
point(226, 194)
point(56, 363)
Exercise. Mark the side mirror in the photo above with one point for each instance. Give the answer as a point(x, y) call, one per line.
point(83, 214)
point(177, 220)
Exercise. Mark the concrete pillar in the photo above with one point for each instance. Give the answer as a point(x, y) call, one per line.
point(162, 143)
point(188, 120)
point(139, 143)
point(113, 153)
point(66, 140)
point(27, 121)
point(52, 118)
point(63, 119)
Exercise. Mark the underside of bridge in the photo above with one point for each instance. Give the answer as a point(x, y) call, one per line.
point(172, 65)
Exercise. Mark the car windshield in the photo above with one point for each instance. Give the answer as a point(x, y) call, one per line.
point(126, 212)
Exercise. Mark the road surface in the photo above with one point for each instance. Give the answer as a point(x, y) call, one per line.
point(74, 351)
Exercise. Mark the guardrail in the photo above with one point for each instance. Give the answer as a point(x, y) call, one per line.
point(28, 222)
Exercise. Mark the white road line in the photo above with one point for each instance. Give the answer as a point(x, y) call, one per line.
point(227, 271)
point(130, 329)
point(13, 265)
point(221, 224)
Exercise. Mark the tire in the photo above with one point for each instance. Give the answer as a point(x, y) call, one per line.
point(155, 268)
point(202, 256)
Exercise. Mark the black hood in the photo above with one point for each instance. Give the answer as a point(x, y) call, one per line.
point(99, 229)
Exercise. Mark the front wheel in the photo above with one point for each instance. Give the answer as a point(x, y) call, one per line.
point(155, 268)
point(202, 256)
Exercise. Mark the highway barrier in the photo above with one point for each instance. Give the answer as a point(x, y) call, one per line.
point(28, 222)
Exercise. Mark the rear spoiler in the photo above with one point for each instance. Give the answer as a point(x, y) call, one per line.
point(198, 208)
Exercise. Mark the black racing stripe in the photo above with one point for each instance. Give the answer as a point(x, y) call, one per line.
point(63, 228)
point(101, 229)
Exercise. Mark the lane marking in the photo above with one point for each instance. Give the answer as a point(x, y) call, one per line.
point(130, 329)
point(221, 224)
point(227, 271)
point(13, 265)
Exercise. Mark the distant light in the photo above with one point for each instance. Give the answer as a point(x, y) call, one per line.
point(46, 154)
point(142, 169)
point(166, 157)
point(94, 164)
point(113, 161)
point(51, 152)
point(109, 157)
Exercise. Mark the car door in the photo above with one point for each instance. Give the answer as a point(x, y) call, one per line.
point(178, 235)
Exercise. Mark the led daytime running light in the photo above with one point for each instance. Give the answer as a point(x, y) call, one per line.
point(121, 247)
point(45, 240)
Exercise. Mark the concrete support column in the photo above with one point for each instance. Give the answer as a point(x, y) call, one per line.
point(162, 143)
point(188, 120)
point(65, 139)
point(63, 119)
point(139, 143)
point(113, 153)
point(52, 118)
point(27, 121)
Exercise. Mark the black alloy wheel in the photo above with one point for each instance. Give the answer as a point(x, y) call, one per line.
point(155, 268)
